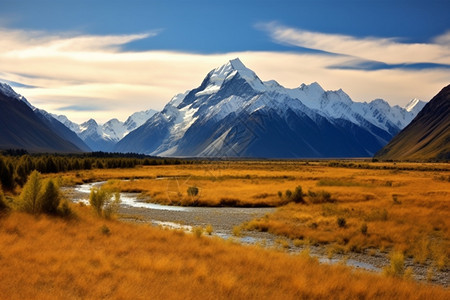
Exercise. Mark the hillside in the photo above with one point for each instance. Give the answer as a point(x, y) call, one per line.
point(427, 137)
point(22, 128)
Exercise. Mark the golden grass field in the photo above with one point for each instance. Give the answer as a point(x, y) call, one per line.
point(385, 206)
point(91, 258)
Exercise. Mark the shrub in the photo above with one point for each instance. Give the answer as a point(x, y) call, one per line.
point(288, 194)
point(319, 197)
point(101, 201)
point(192, 191)
point(105, 230)
point(197, 231)
point(396, 267)
point(29, 197)
point(341, 222)
point(49, 198)
point(364, 228)
point(237, 231)
point(65, 210)
point(111, 207)
point(209, 229)
point(297, 196)
point(97, 199)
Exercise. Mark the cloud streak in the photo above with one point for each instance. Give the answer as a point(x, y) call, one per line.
point(72, 71)
point(386, 50)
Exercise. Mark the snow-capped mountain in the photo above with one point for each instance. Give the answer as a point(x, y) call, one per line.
point(104, 137)
point(26, 127)
point(234, 114)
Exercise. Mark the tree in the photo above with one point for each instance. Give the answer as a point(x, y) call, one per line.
point(30, 193)
point(49, 198)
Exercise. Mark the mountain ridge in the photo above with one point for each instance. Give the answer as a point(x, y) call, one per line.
point(427, 137)
point(204, 121)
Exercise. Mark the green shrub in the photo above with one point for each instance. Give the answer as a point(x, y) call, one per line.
point(30, 195)
point(101, 200)
point(49, 198)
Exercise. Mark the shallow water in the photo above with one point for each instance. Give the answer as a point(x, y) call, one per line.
point(222, 219)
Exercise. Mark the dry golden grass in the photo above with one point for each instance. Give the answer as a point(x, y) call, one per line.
point(405, 206)
point(92, 258)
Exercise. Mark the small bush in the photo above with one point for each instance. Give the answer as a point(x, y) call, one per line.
point(209, 229)
point(319, 197)
point(237, 231)
point(65, 210)
point(364, 228)
point(111, 207)
point(397, 265)
point(395, 199)
point(297, 196)
point(192, 191)
point(105, 230)
point(341, 222)
point(288, 194)
point(101, 201)
point(197, 231)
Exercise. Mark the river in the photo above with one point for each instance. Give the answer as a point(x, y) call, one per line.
point(223, 219)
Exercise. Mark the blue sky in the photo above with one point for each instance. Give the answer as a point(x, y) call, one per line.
point(73, 57)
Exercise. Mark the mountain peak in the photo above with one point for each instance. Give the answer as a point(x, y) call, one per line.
point(414, 104)
point(7, 90)
point(237, 64)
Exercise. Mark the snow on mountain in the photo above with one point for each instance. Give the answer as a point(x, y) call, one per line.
point(103, 137)
point(137, 119)
point(7, 90)
point(34, 128)
point(234, 109)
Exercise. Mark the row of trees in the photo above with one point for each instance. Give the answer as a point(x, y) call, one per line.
point(15, 169)
point(37, 196)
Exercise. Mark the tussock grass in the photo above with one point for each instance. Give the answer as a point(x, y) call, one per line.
point(50, 258)
point(401, 204)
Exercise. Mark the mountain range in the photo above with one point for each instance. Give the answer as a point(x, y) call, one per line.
point(427, 137)
point(23, 126)
point(235, 114)
point(104, 137)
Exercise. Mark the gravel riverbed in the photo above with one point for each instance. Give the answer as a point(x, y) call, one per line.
point(223, 221)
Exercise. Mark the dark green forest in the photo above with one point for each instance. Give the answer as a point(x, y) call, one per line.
point(16, 165)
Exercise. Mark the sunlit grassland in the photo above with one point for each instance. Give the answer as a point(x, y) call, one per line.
point(385, 206)
point(92, 258)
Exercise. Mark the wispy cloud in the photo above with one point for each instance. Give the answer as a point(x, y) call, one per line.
point(384, 50)
point(71, 72)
